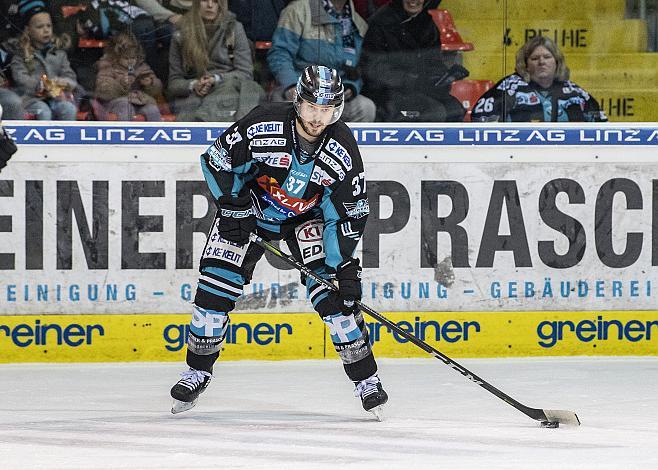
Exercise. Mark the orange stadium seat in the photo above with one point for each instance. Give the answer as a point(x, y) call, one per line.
point(468, 92)
point(451, 40)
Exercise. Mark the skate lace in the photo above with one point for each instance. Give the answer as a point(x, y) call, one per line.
point(193, 378)
point(366, 387)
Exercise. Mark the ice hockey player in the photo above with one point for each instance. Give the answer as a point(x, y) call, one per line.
point(7, 145)
point(292, 172)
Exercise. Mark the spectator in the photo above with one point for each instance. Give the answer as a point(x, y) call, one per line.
point(104, 18)
point(125, 84)
point(210, 66)
point(10, 101)
point(539, 91)
point(403, 66)
point(326, 32)
point(40, 68)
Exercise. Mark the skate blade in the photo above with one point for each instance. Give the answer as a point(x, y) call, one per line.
point(180, 406)
point(378, 411)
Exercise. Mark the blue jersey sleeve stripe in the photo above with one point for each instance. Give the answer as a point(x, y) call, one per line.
point(226, 274)
point(333, 257)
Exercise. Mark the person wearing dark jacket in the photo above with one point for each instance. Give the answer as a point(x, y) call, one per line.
point(403, 66)
point(538, 91)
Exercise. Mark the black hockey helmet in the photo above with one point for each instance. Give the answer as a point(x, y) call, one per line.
point(322, 86)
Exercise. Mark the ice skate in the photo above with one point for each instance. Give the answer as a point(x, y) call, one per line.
point(187, 390)
point(372, 395)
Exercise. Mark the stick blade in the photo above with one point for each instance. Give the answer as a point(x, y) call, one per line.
point(562, 416)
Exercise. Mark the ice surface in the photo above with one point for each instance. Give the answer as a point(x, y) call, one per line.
point(302, 414)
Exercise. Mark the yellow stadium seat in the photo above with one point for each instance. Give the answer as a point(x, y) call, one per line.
point(636, 105)
point(546, 9)
point(633, 70)
point(572, 36)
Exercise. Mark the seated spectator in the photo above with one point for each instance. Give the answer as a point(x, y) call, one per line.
point(210, 66)
point(102, 19)
point(10, 101)
point(325, 32)
point(403, 66)
point(539, 91)
point(125, 84)
point(40, 69)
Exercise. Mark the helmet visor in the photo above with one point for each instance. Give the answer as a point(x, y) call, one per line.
point(318, 114)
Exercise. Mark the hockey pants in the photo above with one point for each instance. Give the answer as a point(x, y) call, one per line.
point(224, 270)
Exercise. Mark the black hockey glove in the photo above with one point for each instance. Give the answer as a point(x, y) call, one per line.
point(7, 149)
point(348, 275)
point(237, 218)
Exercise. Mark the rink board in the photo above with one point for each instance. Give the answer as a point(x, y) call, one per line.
point(547, 222)
point(109, 338)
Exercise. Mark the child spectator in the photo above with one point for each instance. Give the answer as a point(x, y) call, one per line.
point(125, 84)
point(539, 91)
point(210, 66)
point(40, 69)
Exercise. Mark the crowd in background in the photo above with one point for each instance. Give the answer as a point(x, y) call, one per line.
point(215, 60)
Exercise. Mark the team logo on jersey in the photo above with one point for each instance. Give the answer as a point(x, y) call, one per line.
point(339, 151)
point(357, 209)
point(270, 127)
point(276, 159)
point(319, 176)
point(269, 142)
point(332, 164)
point(280, 198)
point(526, 98)
point(219, 158)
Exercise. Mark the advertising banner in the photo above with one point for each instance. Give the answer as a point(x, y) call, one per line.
point(107, 338)
point(111, 219)
point(484, 241)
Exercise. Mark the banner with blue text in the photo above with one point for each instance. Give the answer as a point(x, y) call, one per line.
point(112, 219)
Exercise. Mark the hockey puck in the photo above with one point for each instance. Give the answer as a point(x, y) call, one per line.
point(550, 424)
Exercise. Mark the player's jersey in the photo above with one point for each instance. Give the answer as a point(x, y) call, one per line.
point(515, 100)
point(261, 153)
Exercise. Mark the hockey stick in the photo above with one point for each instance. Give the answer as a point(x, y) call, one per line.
point(548, 418)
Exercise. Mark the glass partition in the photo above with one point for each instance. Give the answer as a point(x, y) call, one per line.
point(400, 60)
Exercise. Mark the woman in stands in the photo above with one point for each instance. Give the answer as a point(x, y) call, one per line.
point(539, 91)
point(125, 84)
point(210, 66)
point(40, 69)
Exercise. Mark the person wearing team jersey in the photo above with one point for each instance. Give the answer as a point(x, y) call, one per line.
point(539, 91)
point(287, 171)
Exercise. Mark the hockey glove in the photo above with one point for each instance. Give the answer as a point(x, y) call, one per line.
point(237, 218)
point(348, 275)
